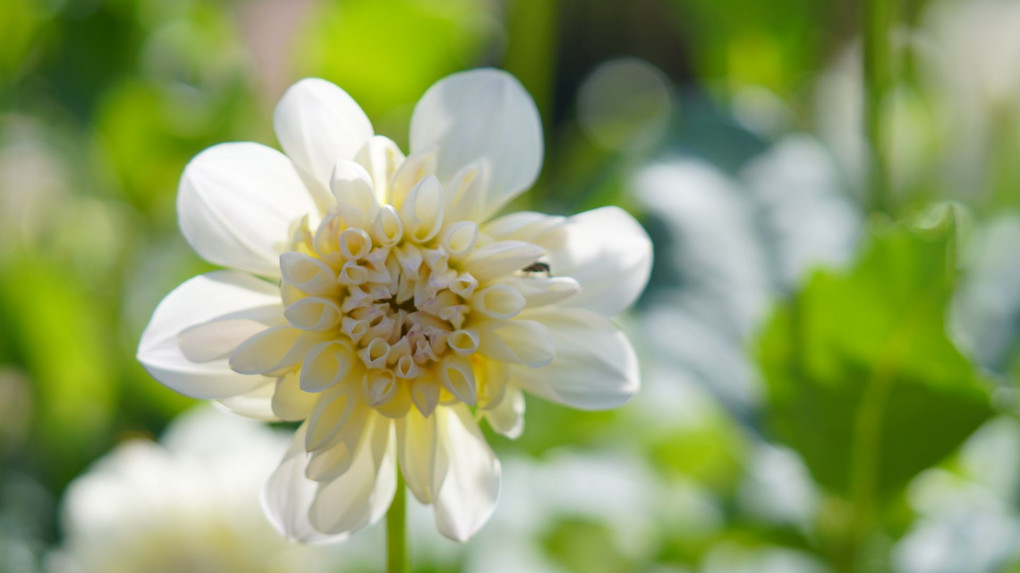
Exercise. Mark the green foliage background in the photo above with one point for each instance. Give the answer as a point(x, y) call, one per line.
point(102, 102)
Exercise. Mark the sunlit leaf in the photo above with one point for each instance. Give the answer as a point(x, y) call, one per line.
point(861, 377)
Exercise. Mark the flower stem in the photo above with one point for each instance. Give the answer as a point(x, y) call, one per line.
point(396, 531)
point(878, 82)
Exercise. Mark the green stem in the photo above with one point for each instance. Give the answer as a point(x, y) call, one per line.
point(878, 81)
point(396, 531)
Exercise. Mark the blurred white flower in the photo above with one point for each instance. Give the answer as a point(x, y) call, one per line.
point(967, 520)
point(734, 558)
point(572, 486)
point(186, 504)
point(396, 303)
point(974, 49)
point(986, 306)
point(779, 488)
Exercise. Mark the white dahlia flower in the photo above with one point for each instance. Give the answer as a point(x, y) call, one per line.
point(376, 300)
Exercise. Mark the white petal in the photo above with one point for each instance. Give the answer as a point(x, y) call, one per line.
point(326, 364)
point(354, 191)
point(500, 258)
point(482, 116)
point(516, 341)
point(469, 493)
point(318, 124)
point(336, 413)
point(607, 252)
point(256, 403)
point(418, 454)
point(415, 167)
point(540, 290)
point(290, 402)
point(217, 339)
point(288, 495)
point(274, 350)
point(216, 295)
point(236, 203)
point(595, 366)
point(457, 376)
point(507, 417)
point(521, 226)
point(313, 313)
point(362, 494)
point(422, 210)
point(381, 157)
point(498, 301)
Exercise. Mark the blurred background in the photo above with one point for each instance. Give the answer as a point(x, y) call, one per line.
point(829, 363)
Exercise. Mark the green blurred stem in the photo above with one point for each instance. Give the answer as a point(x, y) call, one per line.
point(878, 81)
point(877, 24)
point(531, 49)
point(396, 531)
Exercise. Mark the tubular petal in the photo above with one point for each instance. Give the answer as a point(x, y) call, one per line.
point(422, 210)
point(381, 157)
point(273, 350)
point(501, 258)
point(326, 364)
point(352, 188)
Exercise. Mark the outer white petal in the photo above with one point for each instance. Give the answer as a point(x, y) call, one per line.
point(516, 341)
point(486, 117)
point(236, 203)
point(507, 417)
point(288, 495)
point(318, 124)
point(220, 294)
point(289, 401)
point(469, 493)
point(607, 252)
point(595, 367)
point(521, 226)
point(362, 494)
point(418, 454)
point(256, 403)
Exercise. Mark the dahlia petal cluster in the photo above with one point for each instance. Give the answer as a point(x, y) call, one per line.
point(376, 299)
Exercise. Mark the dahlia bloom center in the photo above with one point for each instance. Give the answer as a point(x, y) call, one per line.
point(386, 305)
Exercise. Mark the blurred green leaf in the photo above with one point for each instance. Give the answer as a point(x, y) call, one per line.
point(21, 24)
point(57, 330)
point(711, 452)
point(770, 44)
point(861, 378)
point(581, 545)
